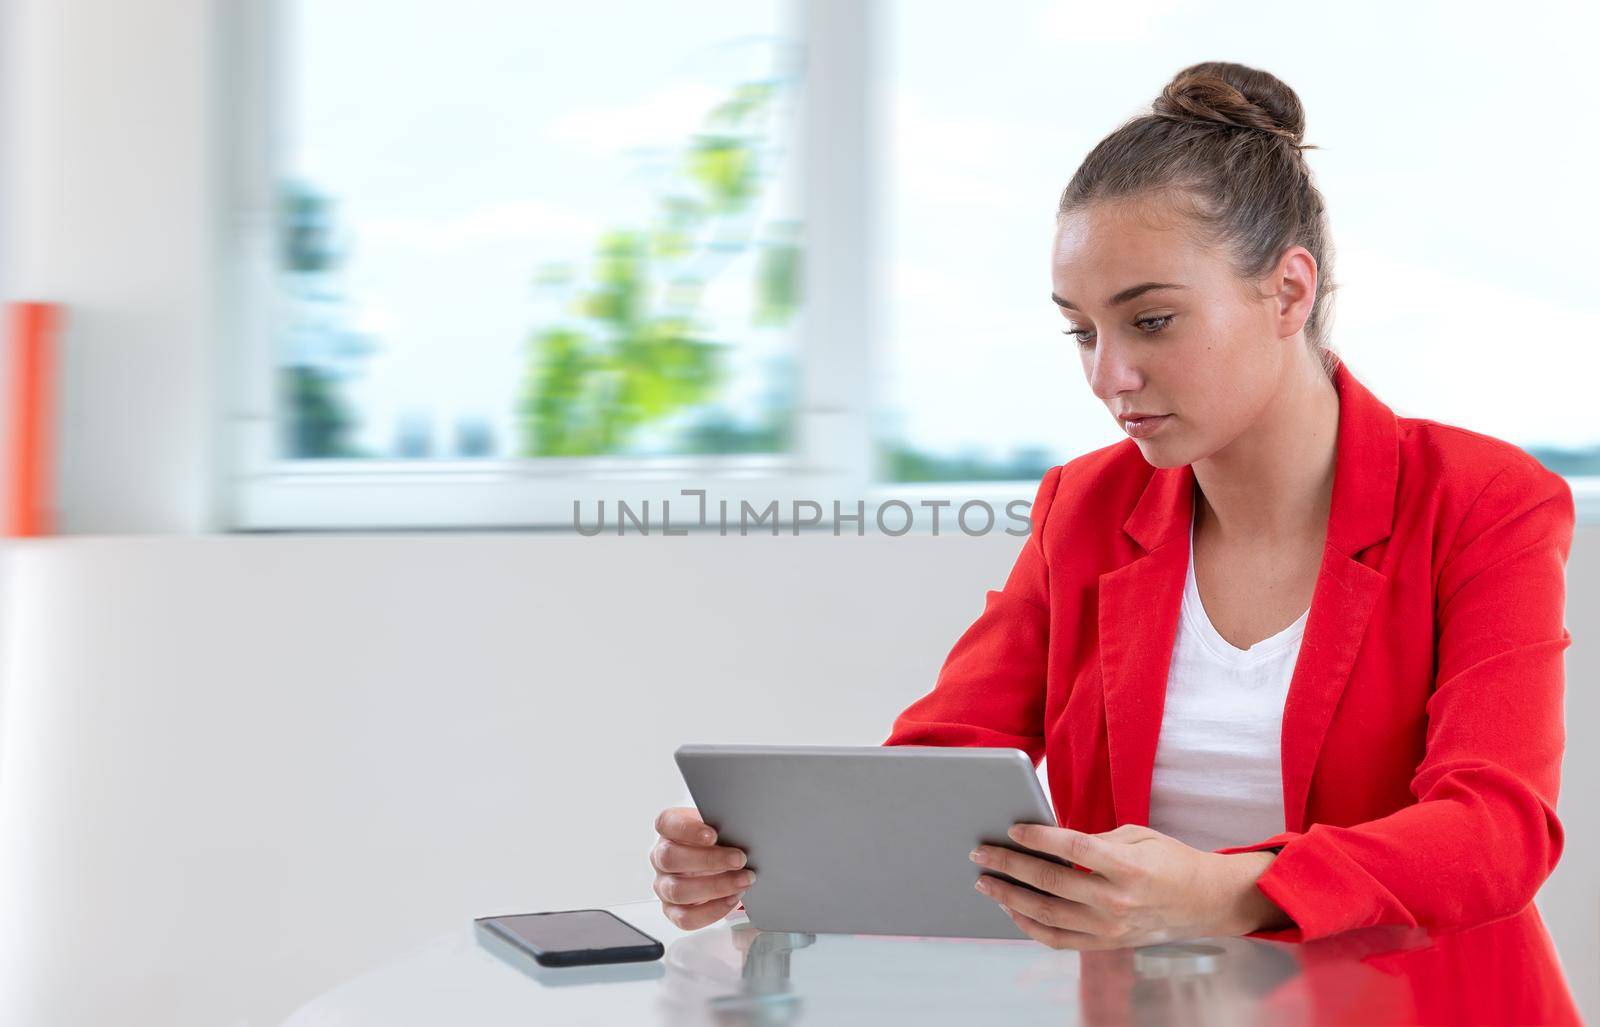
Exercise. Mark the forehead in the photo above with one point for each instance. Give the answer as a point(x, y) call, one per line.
point(1110, 245)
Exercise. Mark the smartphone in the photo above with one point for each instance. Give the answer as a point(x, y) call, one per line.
point(574, 937)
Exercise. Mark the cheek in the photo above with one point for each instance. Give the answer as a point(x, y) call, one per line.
point(1213, 346)
point(1217, 362)
point(1220, 408)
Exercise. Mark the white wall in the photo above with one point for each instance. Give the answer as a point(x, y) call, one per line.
point(108, 208)
point(8, 57)
point(350, 744)
point(346, 745)
point(1570, 900)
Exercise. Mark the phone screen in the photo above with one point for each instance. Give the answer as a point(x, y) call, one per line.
point(577, 929)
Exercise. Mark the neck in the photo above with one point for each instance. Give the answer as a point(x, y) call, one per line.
point(1274, 483)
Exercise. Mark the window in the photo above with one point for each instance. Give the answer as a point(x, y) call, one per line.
point(516, 255)
point(1464, 295)
point(576, 241)
point(460, 238)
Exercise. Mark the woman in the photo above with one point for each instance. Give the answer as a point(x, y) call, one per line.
point(1295, 662)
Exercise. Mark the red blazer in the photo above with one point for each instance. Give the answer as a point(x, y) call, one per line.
point(1422, 733)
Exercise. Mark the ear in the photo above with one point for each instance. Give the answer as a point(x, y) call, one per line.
point(1293, 286)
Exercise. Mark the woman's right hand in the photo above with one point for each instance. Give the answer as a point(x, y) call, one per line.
point(698, 881)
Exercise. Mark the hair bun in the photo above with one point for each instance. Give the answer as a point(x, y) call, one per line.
point(1234, 95)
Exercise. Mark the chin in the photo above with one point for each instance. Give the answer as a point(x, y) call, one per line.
point(1158, 455)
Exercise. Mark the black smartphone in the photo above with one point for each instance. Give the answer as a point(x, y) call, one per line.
point(574, 937)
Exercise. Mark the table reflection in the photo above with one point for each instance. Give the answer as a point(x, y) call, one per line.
point(733, 974)
point(1494, 974)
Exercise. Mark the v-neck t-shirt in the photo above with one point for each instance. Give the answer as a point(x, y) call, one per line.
point(1218, 774)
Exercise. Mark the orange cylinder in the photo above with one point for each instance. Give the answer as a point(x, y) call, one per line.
point(30, 419)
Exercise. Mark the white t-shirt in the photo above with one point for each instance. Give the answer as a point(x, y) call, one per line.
point(1218, 776)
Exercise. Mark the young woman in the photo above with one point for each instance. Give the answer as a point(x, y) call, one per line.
point(1295, 662)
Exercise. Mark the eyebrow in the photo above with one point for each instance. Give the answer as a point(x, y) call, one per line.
point(1134, 292)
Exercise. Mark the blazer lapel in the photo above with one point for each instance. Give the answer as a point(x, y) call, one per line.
point(1140, 603)
point(1138, 622)
point(1365, 476)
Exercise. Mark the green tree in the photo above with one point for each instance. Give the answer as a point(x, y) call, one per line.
point(319, 420)
point(638, 351)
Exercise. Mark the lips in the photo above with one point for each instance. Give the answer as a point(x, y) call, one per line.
point(1142, 425)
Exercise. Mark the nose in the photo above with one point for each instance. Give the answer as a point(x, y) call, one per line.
point(1112, 371)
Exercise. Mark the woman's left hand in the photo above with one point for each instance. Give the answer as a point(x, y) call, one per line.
point(1144, 888)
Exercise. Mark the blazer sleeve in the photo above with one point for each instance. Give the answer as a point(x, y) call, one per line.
point(1482, 835)
point(990, 691)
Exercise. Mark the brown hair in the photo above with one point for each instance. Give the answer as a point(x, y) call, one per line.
point(1223, 142)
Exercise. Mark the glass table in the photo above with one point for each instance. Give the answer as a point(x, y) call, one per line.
point(731, 973)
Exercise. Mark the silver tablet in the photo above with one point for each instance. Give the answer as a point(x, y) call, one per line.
point(867, 839)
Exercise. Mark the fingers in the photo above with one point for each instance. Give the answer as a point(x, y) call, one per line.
point(1107, 858)
point(1048, 910)
point(1054, 878)
point(692, 918)
point(687, 845)
point(1056, 937)
point(693, 900)
point(698, 881)
point(689, 891)
point(683, 824)
point(671, 857)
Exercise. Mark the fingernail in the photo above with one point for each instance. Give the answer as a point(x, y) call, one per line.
point(745, 879)
point(982, 885)
point(977, 856)
point(707, 836)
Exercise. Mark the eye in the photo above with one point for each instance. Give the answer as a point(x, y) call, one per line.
point(1160, 322)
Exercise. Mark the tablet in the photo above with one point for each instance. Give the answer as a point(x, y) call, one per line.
point(867, 839)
